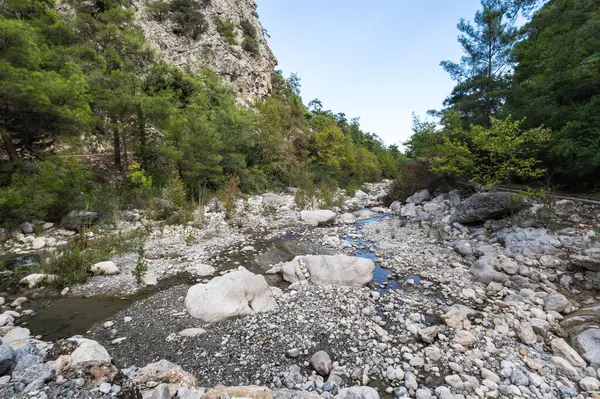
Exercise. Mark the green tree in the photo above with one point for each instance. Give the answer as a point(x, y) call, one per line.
point(483, 72)
point(40, 97)
point(557, 84)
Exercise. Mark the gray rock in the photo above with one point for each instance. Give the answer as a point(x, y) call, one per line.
point(30, 368)
point(588, 344)
point(357, 393)
point(273, 201)
point(519, 378)
point(322, 363)
point(26, 227)
point(463, 248)
point(526, 334)
point(7, 357)
point(589, 384)
point(419, 197)
point(105, 387)
point(78, 219)
point(318, 217)
point(292, 377)
point(529, 241)
point(482, 206)
point(292, 353)
point(396, 206)
point(561, 348)
point(410, 381)
point(556, 302)
point(161, 392)
point(483, 271)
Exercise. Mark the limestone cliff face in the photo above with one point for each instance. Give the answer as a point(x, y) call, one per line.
point(250, 76)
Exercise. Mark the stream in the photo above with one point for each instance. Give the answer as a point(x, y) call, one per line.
point(61, 317)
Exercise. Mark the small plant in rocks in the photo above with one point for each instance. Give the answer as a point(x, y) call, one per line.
point(141, 265)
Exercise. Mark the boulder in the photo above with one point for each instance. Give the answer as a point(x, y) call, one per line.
point(322, 363)
point(33, 280)
point(26, 227)
point(285, 393)
point(457, 313)
point(107, 268)
point(483, 206)
point(38, 243)
point(561, 348)
point(357, 393)
point(239, 293)
point(78, 219)
point(364, 214)
point(589, 259)
point(165, 372)
point(409, 211)
point(252, 392)
point(7, 359)
point(318, 217)
point(396, 206)
point(17, 337)
point(348, 218)
point(89, 350)
point(588, 344)
point(529, 241)
point(419, 197)
point(359, 194)
point(200, 270)
point(484, 272)
point(555, 302)
point(161, 392)
point(330, 270)
point(273, 201)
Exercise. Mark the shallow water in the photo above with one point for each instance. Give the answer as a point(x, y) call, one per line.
point(63, 317)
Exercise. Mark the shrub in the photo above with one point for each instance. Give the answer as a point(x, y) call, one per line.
point(158, 9)
point(138, 190)
point(411, 178)
point(173, 206)
point(228, 195)
point(248, 29)
point(227, 30)
point(189, 19)
point(251, 46)
point(141, 264)
point(47, 194)
point(72, 262)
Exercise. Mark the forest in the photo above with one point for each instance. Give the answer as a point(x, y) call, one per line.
point(93, 118)
point(525, 107)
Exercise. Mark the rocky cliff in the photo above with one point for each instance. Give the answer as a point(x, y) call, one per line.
point(249, 74)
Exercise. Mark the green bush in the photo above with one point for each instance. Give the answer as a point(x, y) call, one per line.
point(72, 262)
point(138, 187)
point(189, 19)
point(227, 30)
point(248, 29)
point(50, 192)
point(250, 45)
point(411, 178)
point(158, 9)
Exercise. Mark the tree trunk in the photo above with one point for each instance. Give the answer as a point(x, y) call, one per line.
point(117, 149)
point(10, 148)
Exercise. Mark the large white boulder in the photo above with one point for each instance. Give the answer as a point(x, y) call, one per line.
point(329, 270)
point(319, 217)
point(239, 293)
point(89, 351)
point(108, 268)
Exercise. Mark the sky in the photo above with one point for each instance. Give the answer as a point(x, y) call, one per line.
point(378, 60)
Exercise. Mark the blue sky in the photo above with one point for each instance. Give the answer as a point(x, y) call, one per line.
point(375, 59)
